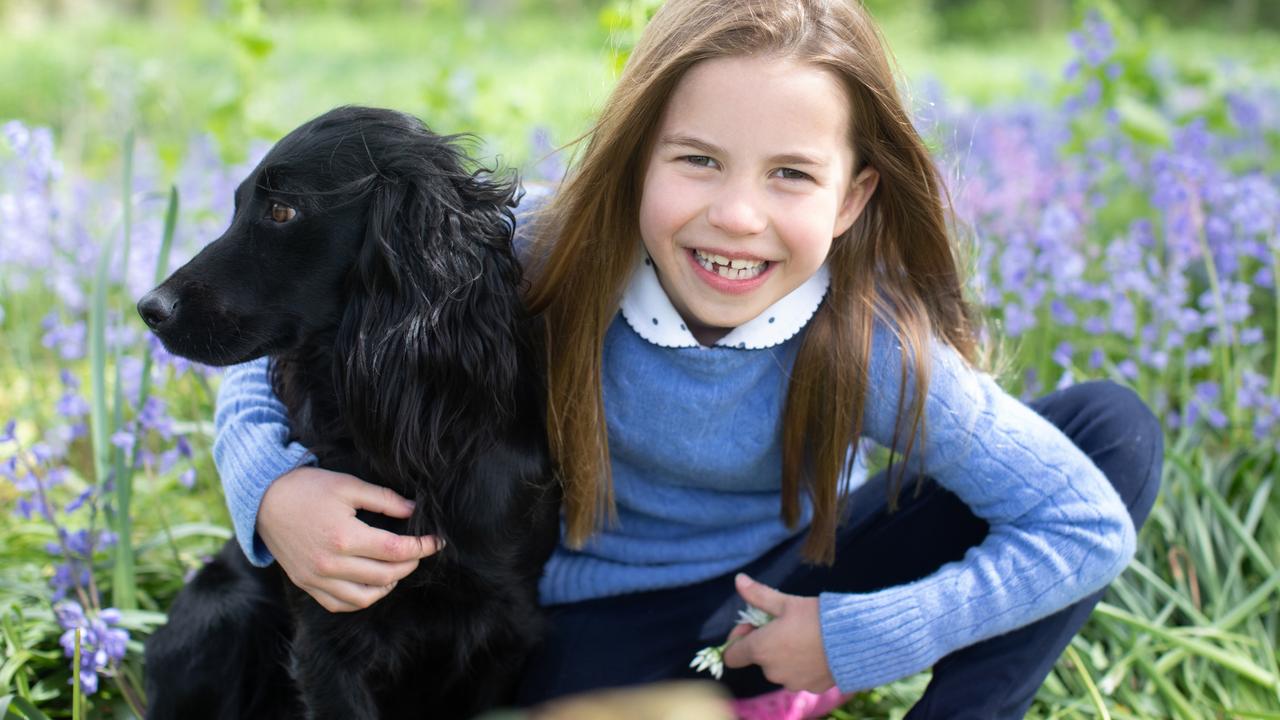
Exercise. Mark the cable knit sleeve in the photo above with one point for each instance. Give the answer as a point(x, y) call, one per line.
point(251, 449)
point(1059, 532)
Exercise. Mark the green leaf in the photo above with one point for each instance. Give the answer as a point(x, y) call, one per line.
point(20, 708)
point(1142, 122)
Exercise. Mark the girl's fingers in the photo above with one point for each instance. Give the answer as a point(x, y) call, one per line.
point(376, 498)
point(329, 602)
point(363, 571)
point(760, 595)
point(355, 596)
point(740, 630)
point(376, 544)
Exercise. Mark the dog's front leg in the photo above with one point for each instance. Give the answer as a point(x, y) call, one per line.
point(329, 663)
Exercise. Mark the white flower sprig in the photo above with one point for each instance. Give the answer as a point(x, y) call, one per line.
point(711, 659)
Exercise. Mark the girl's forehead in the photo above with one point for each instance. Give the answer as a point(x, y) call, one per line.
point(759, 99)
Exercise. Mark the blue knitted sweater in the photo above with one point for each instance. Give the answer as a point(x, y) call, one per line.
point(695, 449)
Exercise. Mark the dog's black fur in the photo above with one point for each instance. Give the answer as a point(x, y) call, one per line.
point(389, 306)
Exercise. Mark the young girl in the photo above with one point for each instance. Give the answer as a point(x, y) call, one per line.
point(747, 273)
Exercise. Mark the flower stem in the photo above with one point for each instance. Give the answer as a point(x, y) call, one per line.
point(77, 700)
point(1228, 340)
point(1275, 287)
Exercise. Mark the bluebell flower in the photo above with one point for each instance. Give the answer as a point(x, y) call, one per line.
point(1199, 357)
point(101, 642)
point(71, 405)
point(1244, 112)
point(1062, 354)
point(42, 452)
point(124, 440)
point(78, 501)
point(1128, 369)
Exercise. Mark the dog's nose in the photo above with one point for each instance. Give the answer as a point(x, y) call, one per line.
point(156, 307)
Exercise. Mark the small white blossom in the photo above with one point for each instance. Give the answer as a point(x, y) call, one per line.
point(754, 616)
point(711, 659)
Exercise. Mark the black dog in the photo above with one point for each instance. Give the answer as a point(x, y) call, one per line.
point(377, 272)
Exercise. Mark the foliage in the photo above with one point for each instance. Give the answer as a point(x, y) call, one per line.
point(1125, 224)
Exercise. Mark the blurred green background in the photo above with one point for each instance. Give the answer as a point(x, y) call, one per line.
point(507, 69)
point(1189, 631)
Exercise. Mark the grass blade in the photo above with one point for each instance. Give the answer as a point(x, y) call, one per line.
point(1240, 665)
point(124, 586)
point(1094, 695)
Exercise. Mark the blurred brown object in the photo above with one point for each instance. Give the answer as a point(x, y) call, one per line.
point(677, 700)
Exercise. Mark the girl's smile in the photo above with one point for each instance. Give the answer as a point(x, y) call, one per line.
point(749, 179)
point(737, 275)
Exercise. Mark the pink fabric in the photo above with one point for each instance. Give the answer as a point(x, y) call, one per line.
point(787, 705)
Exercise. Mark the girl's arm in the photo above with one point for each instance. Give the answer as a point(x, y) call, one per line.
point(251, 449)
point(303, 516)
point(1058, 530)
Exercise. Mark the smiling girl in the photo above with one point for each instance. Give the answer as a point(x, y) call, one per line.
point(746, 276)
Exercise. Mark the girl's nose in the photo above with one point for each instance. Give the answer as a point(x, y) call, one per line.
point(737, 210)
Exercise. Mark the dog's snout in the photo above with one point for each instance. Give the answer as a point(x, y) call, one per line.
point(156, 307)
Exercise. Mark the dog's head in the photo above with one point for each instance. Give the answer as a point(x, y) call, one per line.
point(360, 211)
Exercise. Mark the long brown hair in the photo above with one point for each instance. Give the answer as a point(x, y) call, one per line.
point(896, 263)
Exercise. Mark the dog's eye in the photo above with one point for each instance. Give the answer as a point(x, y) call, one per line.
point(282, 213)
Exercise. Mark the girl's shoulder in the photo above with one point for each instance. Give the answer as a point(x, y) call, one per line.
point(533, 200)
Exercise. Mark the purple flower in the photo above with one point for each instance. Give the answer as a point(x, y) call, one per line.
point(72, 406)
point(152, 417)
point(101, 643)
point(8, 431)
point(1062, 354)
point(1128, 369)
point(79, 501)
point(124, 440)
point(69, 614)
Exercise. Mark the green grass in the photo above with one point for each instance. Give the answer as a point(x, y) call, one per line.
point(1189, 631)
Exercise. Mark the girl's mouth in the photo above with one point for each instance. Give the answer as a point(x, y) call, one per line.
point(729, 269)
point(726, 275)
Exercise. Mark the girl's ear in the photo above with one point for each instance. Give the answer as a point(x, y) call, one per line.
point(855, 200)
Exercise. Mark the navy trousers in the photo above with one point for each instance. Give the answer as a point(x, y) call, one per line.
point(644, 637)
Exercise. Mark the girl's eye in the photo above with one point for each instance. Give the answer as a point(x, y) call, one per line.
point(791, 174)
point(282, 213)
point(699, 160)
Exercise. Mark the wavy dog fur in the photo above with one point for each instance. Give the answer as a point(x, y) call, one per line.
point(389, 303)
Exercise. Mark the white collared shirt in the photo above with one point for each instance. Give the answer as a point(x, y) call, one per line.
point(649, 312)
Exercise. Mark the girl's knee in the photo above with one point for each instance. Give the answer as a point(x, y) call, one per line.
point(1133, 440)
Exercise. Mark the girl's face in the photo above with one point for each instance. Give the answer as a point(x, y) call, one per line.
point(749, 180)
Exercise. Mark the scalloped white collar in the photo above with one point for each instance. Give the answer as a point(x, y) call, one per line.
point(649, 312)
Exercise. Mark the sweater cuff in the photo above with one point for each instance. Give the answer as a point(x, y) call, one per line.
point(873, 639)
point(244, 496)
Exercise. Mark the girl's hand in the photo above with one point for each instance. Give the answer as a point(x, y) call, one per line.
point(788, 649)
point(308, 521)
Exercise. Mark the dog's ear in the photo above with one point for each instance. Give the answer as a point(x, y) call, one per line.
point(430, 344)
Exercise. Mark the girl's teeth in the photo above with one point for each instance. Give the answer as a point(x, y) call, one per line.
point(730, 269)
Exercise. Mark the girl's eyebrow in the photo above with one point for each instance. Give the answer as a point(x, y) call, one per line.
point(791, 158)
